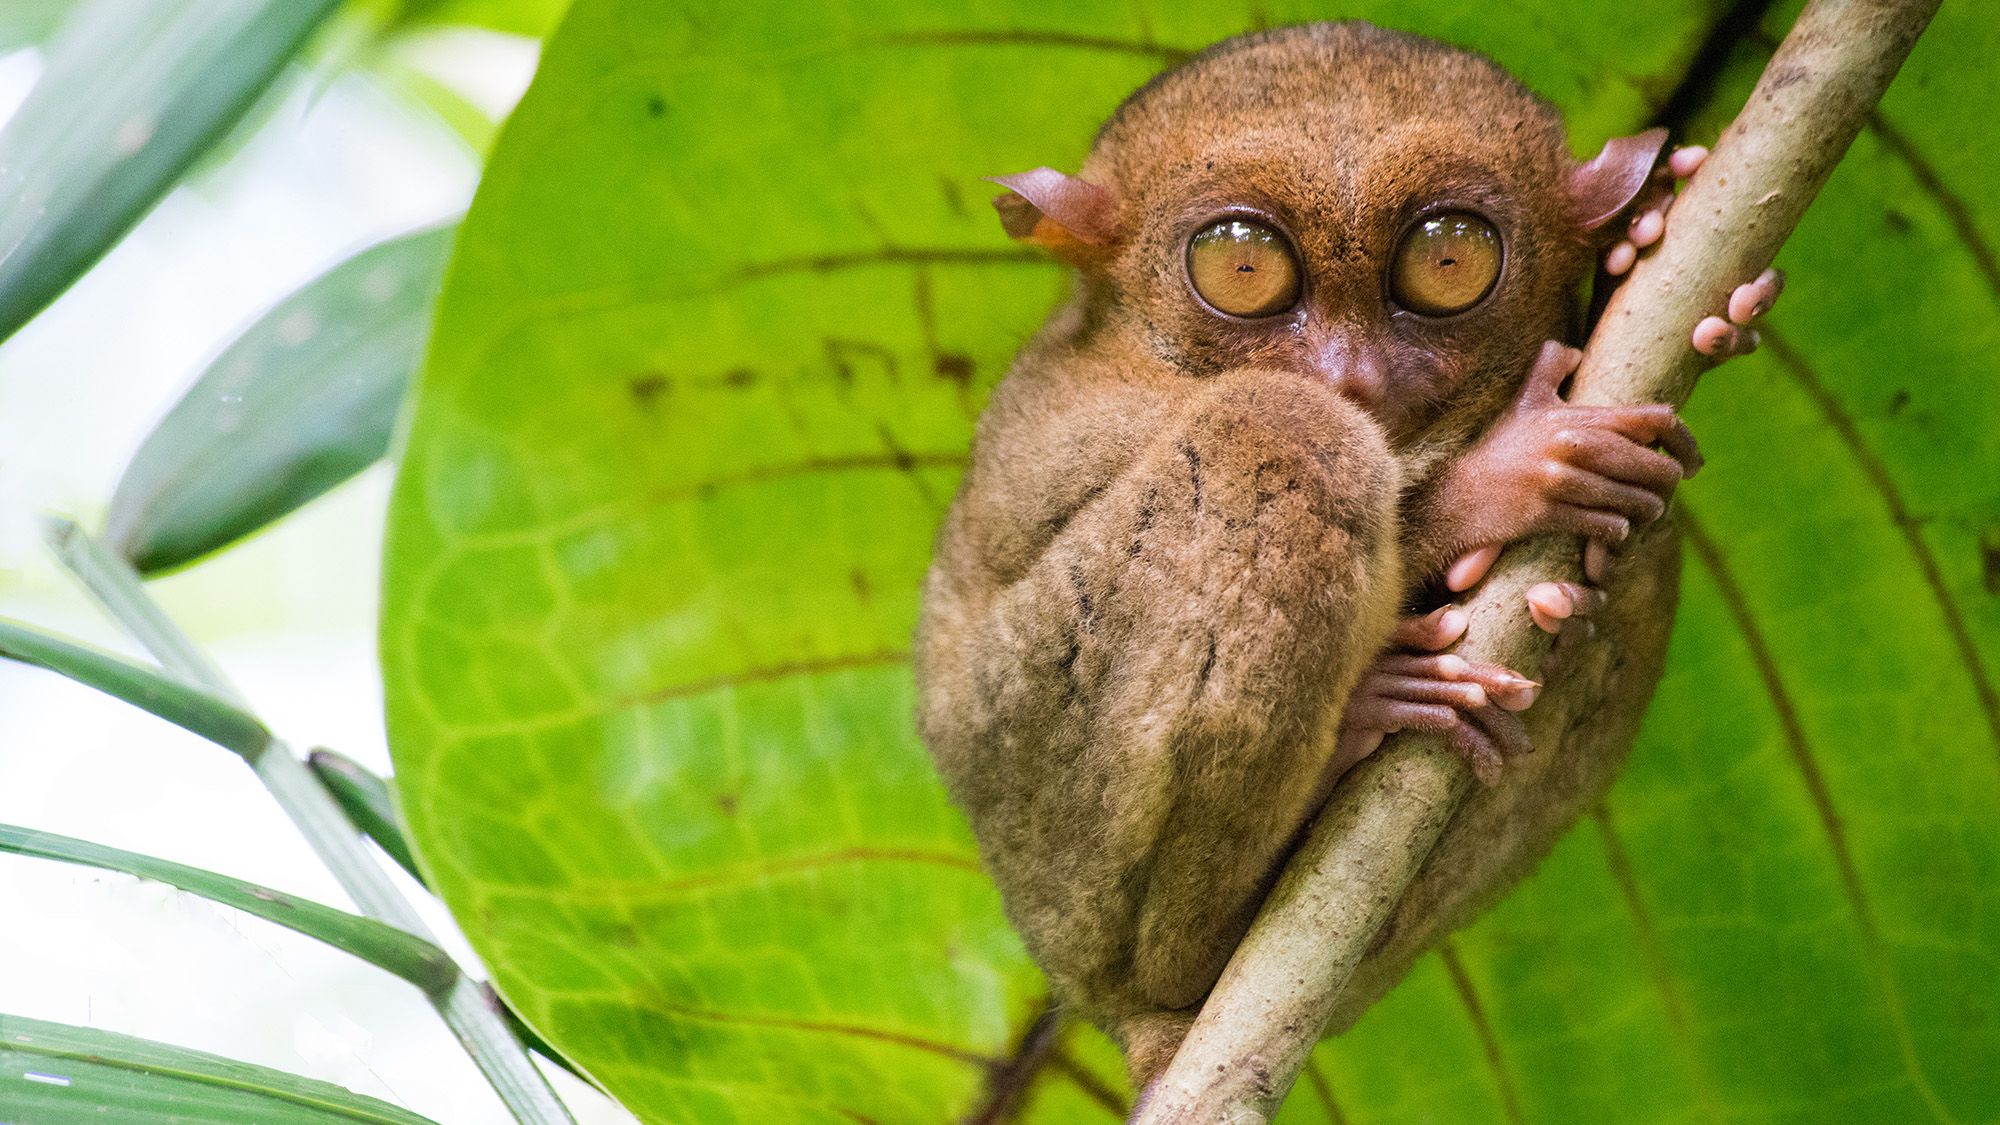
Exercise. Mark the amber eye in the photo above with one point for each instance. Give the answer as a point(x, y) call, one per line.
point(1243, 268)
point(1445, 264)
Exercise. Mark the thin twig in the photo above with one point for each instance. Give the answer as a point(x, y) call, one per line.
point(1278, 991)
point(465, 1007)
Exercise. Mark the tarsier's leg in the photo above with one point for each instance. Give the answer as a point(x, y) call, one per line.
point(1158, 697)
point(1415, 685)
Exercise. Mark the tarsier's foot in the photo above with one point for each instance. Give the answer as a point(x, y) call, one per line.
point(1415, 686)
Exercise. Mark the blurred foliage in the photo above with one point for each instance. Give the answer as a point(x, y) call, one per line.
point(52, 1073)
point(131, 96)
point(305, 398)
point(704, 374)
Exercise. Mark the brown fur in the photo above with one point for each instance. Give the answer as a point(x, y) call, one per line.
point(1181, 539)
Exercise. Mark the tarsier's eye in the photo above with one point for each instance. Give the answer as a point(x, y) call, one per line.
point(1446, 264)
point(1243, 268)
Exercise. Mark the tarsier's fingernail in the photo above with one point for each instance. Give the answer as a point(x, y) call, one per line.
point(1476, 697)
point(1544, 622)
point(1519, 697)
point(1469, 569)
point(1552, 600)
point(1453, 667)
point(1620, 259)
point(1451, 623)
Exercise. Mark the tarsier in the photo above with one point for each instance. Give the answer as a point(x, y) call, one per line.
point(1307, 384)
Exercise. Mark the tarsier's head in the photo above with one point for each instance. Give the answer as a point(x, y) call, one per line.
point(1396, 216)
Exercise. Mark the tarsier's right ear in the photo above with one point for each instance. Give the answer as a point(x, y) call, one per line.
point(1068, 216)
point(1601, 190)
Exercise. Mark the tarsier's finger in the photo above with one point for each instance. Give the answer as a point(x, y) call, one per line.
point(1470, 568)
point(1462, 694)
point(1648, 227)
point(1687, 161)
point(1504, 686)
point(1720, 339)
point(1586, 489)
point(1505, 729)
point(1440, 628)
point(1468, 739)
point(1552, 603)
point(1509, 690)
point(1554, 363)
point(1753, 299)
point(1618, 261)
point(1655, 422)
point(1596, 561)
point(1615, 456)
point(1591, 523)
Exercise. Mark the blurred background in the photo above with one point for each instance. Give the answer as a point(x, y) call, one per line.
point(379, 129)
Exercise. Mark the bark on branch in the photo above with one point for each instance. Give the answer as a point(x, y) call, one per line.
point(1278, 991)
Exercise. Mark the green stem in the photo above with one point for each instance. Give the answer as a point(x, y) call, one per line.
point(480, 1028)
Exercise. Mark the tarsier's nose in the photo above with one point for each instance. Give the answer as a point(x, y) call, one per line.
point(1352, 366)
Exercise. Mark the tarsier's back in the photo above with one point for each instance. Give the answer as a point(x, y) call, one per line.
point(1316, 271)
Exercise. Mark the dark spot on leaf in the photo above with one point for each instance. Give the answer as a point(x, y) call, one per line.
point(1896, 221)
point(727, 803)
point(656, 106)
point(897, 453)
point(740, 377)
point(647, 388)
point(1898, 401)
point(862, 588)
point(954, 366)
point(1989, 559)
point(618, 932)
point(843, 354)
point(953, 198)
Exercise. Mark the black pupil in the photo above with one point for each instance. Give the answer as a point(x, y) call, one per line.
point(1246, 267)
point(1447, 261)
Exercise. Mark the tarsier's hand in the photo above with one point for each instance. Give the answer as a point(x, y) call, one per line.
point(1550, 466)
point(1415, 686)
point(1730, 334)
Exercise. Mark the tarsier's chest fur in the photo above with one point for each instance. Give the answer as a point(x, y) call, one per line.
point(1175, 550)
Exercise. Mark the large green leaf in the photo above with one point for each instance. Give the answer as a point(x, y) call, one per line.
point(378, 943)
point(305, 398)
point(53, 1074)
point(133, 93)
point(723, 312)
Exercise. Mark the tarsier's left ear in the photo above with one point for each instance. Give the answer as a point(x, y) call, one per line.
point(1068, 216)
point(1612, 179)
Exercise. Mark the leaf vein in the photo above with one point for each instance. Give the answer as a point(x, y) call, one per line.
point(1906, 521)
point(1803, 757)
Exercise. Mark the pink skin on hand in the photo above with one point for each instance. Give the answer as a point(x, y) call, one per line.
point(1720, 337)
point(1416, 686)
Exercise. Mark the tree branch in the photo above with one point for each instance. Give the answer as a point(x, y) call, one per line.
point(1274, 999)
